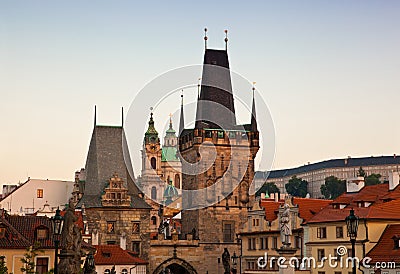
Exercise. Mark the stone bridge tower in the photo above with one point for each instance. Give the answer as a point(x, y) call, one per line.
point(217, 165)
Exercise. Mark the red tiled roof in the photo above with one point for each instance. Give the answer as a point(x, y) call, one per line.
point(11, 238)
point(384, 250)
point(27, 225)
point(115, 255)
point(307, 207)
point(379, 208)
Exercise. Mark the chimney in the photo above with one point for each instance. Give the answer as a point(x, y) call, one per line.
point(277, 197)
point(393, 180)
point(272, 195)
point(354, 184)
point(95, 237)
point(262, 195)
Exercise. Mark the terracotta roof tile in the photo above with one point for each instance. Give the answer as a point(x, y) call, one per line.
point(380, 208)
point(307, 207)
point(115, 255)
point(384, 250)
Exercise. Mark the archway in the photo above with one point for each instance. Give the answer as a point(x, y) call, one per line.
point(175, 266)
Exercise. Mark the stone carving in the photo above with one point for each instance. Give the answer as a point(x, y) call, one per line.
point(226, 261)
point(286, 230)
point(71, 253)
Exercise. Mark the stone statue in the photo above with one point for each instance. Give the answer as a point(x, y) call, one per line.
point(226, 261)
point(70, 256)
point(89, 268)
point(286, 230)
point(67, 233)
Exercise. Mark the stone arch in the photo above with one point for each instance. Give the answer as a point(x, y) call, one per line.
point(175, 262)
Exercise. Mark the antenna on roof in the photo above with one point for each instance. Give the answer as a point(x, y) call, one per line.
point(226, 39)
point(95, 114)
point(122, 117)
point(205, 38)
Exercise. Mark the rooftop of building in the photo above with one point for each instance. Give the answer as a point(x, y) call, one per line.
point(307, 207)
point(333, 163)
point(387, 249)
point(115, 255)
point(371, 202)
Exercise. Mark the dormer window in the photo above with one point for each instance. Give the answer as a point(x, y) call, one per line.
point(42, 233)
point(396, 240)
point(2, 231)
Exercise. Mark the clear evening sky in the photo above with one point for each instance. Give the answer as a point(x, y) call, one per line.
point(329, 71)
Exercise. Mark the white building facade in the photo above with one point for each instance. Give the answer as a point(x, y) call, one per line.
point(34, 194)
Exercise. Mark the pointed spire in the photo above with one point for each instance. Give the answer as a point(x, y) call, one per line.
point(122, 117)
point(205, 38)
point(226, 39)
point(182, 118)
point(253, 111)
point(170, 121)
point(151, 130)
point(198, 88)
point(95, 115)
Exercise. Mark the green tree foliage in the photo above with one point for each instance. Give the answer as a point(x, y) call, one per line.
point(267, 188)
point(373, 179)
point(3, 267)
point(297, 187)
point(361, 172)
point(333, 187)
point(29, 258)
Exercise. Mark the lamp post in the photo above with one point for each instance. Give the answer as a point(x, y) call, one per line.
point(58, 221)
point(352, 227)
point(89, 266)
point(234, 262)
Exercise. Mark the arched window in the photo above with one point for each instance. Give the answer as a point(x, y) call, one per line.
point(177, 181)
point(107, 271)
point(124, 271)
point(154, 193)
point(153, 163)
point(154, 220)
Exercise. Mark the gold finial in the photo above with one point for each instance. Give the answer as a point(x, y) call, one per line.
point(205, 38)
point(226, 39)
point(254, 86)
point(151, 112)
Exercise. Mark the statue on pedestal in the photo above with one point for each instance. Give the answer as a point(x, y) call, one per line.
point(285, 228)
point(226, 261)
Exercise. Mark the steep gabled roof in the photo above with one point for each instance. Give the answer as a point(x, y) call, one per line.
point(108, 154)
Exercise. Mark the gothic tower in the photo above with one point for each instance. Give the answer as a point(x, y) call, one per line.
point(221, 179)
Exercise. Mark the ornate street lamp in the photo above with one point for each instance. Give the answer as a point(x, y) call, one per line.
point(89, 266)
point(58, 221)
point(234, 262)
point(352, 228)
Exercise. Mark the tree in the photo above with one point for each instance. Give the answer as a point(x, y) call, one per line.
point(361, 172)
point(268, 188)
point(3, 267)
point(29, 258)
point(372, 179)
point(333, 187)
point(297, 187)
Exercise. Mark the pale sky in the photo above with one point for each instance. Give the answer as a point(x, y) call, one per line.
point(328, 70)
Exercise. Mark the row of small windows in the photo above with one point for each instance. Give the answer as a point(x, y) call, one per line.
point(111, 227)
point(264, 243)
point(321, 232)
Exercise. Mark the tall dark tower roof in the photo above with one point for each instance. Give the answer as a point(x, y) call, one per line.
point(253, 114)
point(106, 157)
point(182, 118)
point(216, 87)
